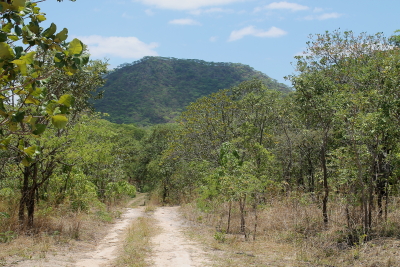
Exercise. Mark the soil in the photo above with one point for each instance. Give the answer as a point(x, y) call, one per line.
point(107, 250)
point(170, 247)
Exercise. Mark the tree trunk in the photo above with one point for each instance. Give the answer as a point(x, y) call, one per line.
point(24, 196)
point(325, 181)
point(229, 217)
point(28, 196)
point(242, 204)
point(255, 218)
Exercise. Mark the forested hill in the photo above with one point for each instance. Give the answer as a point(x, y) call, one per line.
point(156, 89)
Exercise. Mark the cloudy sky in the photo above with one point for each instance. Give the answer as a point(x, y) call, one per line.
point(263, 34)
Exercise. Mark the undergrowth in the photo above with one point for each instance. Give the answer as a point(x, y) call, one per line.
point(297, 223)
point(53, 226)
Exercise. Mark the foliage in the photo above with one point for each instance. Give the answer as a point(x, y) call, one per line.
point(334, 138)
point(117, 190)
point(7, 237)
point(347, 87)
point(29, 56)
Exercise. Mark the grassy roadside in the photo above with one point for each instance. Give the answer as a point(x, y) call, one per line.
point(60, 233)
point(282, 241)
point(228, 250)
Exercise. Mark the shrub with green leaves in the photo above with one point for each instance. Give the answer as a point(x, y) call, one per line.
point(117, 190)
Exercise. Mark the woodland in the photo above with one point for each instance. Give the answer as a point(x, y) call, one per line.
point(156, 90)
point(323, 157)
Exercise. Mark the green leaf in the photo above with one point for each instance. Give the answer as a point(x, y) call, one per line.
point(75, 47)
point(41, 18)
point(66, 100)
point(30, 151)
point(23, 61)
point(50, 30)
point(50, 108)
point(18, 19)
point(85, 59)
point(31, 100)
point(5, 51)
point(64, 109)
point(56, 111)
point(3, 37)
point(61, 36)
point(26, 161)
point(6, 141)
point(40, 128)
point(13, 126)
point(18, 51)
point(7, 27)
point(37, 92)
point(34, 27)
point(30, 57)
point(59, 121)
point(21, 65)
point(36, 10)
point(18, 5)
point(13, 37)
point(18, 117)
point(18, 30)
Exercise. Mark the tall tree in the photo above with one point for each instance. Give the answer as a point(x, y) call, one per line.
point(42, 88)
point(346, 85)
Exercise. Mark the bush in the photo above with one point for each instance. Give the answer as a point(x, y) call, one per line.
point(117, 190)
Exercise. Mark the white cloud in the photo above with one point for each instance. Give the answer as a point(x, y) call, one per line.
point(186, 4)
point(126, 16)
point(211, 10)
point(123, 47)
point(213, 39)
point(284, 5)
point(324, 16)
point(333, 15)
point(318, 9)
point(149, 12)
point(272, 32)
point(184, 22)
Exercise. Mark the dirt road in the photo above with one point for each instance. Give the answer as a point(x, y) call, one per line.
point(108, 248)
point(171, 247)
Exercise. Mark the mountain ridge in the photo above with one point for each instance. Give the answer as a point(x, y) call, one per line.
point(155, 90)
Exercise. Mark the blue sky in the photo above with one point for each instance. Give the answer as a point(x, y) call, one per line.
point(263, 34)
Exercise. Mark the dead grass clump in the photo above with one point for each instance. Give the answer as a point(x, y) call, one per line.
point(296, 222)
point(137, 245)
point(54, 228)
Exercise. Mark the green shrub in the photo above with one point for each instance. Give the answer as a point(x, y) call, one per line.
point(117, 190)
point(7, 236)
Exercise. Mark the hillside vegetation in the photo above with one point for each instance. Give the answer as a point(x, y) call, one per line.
point(155, 90)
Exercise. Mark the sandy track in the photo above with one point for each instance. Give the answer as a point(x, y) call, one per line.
point(171, 247)
point(107, 250)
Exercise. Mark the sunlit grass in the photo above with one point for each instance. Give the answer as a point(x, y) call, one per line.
point(137, 245)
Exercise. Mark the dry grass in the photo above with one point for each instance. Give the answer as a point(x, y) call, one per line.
point(56, 230)
point(137, 246)
point(290, 232)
